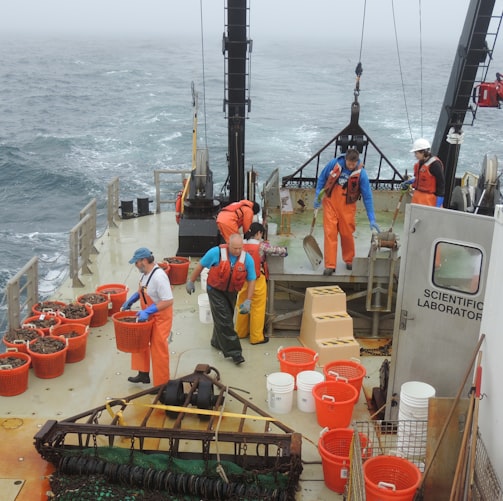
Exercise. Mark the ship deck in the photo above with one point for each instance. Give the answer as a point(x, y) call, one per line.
point(104, 371)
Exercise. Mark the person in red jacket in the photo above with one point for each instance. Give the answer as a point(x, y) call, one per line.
point(235, 216)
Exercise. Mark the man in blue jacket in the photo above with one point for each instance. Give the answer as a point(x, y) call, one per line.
point(339, 186)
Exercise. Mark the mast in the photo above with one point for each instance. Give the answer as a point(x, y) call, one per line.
point(235, 46)
point(471, 52)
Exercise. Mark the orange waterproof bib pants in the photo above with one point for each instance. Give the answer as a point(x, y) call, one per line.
point(158, 349)
point(424, 198)
point(253, 323)
point(338, 219)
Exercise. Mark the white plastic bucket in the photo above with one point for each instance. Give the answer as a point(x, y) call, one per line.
point(204, 309)
point(272, 228)
point(411, 435)
point(204, 278)
point(280, 387)
point(305, 382)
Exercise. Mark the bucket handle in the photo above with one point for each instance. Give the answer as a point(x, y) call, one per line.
point(30, 326)
point(316, 356)
point(20, 341)
point(328, 397)
point(342, 378)
point(386, 485)
point(6, 366)
point(324, 430)
point(14, 350)
point(354, 359)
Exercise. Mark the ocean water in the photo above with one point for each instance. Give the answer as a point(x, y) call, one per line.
point(75, 113)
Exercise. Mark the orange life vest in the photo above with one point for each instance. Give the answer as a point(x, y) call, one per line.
point(332, 179)
point(178, 206)
point(424, 180)
point(353, 193)
point(353, 186)
point(226, 278)
point(254, 251)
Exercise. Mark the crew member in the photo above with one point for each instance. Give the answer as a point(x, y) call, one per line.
point(229, 267)
point(339, 186)
point(156, 299)
point(235, 216)
point(429, 180)
point(253, 324)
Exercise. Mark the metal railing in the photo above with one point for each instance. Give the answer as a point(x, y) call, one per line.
point(157, 180)
point(113, 202)
point(22, 292)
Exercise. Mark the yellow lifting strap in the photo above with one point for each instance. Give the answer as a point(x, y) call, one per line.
point(185, 410)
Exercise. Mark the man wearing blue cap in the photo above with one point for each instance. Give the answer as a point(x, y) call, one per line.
point(156, 299)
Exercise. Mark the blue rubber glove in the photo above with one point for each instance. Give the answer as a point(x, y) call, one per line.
point(190, 287)
point(406, 184)
point(144, 314)
point(440, 201)
point(127, 305)
point(244, 308)
point(374, 226)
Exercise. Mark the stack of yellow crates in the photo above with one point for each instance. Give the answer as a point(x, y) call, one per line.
point(326, 326)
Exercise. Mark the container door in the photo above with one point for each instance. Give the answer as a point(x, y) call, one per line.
point(440, 298)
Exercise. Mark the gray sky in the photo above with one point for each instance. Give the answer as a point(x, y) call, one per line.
point(269, 18)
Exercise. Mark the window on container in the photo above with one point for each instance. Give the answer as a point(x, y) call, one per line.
point(457, 267)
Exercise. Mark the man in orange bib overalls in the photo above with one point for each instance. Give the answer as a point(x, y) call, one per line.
point(156, 299)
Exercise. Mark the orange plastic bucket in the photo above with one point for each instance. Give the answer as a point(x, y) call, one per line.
point(86, 320)
point(116, 293)
point(43, 321)
point(178, 269)
point(390, 478)
point(20, 345)
point(295, 359)
point(131, 337)
point(334, 402)
point(100, 310)
point(14, 380)
point(47, 307)
point(346, 370)
point(334, 447)
point(48, 365)
point(76, 344)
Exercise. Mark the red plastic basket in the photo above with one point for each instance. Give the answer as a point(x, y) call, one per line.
point(390, 478)
point(178, 269)
point(347, 370)
point(47, 307)
point(116, 293)
point(335, 402)
point(20, 345)
point(14, 381)
point(334, 446)
point(83, 320)
point(37, 321)
point(295, 359)
point(100, 310)
point(131, 337)
point(76, 345)
point(48, 365)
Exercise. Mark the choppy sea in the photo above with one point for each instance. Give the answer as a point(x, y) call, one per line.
point(75, 113)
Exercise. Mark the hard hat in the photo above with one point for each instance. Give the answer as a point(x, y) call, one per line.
point(420, 144)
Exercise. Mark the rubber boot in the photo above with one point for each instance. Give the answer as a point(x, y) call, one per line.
point(142, 377)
